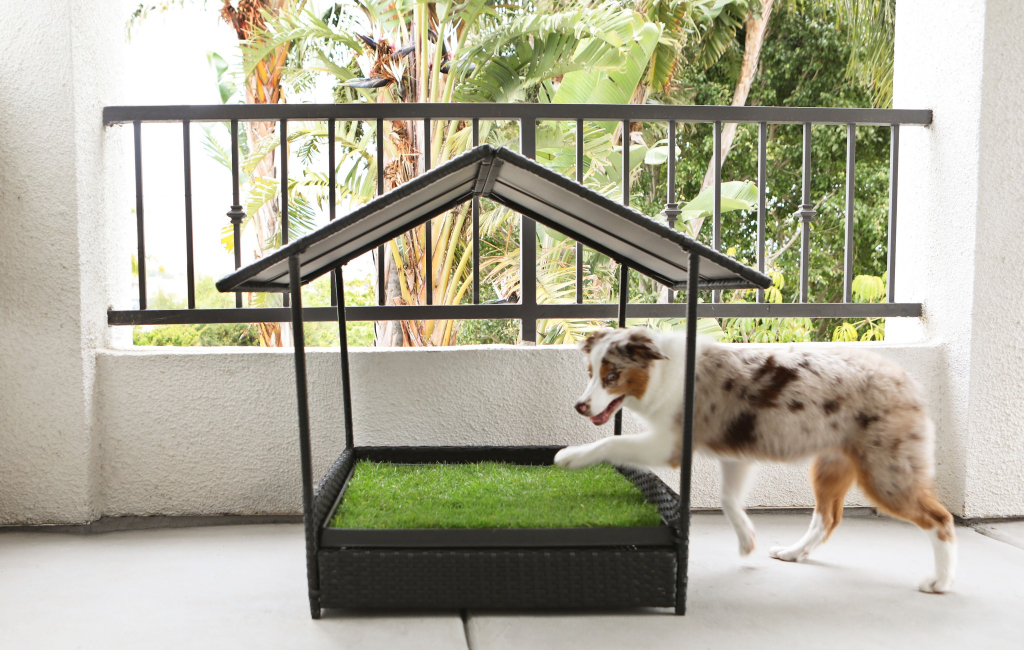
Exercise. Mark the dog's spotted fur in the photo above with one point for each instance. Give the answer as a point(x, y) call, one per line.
point(859, 415)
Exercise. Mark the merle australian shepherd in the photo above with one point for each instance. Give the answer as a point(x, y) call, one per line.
point(860, 417)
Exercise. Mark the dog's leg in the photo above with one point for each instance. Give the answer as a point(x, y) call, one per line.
point(898, 479)
point(736, 475)
point(831, 475)
point(640, 450)
point(944, 547)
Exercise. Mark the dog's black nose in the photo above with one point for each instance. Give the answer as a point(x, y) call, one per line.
point(582, 407)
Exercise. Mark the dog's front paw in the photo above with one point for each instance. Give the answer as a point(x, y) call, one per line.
point(747, 545)
point(787, 554)
point(933, 585)
point(572, 458)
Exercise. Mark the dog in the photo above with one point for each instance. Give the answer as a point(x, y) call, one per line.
point(860, 417)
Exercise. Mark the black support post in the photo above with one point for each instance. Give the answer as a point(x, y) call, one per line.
point(686, 462)
point(346, 384)
point(302, 400)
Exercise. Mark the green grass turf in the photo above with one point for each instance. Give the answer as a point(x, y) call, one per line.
point(490, 495)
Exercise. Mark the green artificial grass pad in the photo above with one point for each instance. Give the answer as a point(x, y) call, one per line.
point(489, 495)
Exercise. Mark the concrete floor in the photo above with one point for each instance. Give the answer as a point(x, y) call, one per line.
point(244, 587)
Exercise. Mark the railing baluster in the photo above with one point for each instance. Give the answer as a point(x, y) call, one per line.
point(623, 303)
point(625, 162)
point(851, 185)
point(139, 220)
point(672, 210)
point(579, 179)
point(806, 214)
point(476, 226)
point(236, 214)
point(332, 199)
point(623, 269)
point(762, 206)
point(428, 234)
point(285, 220)
point(894, 163)
point(528, 244)
point(716, 217)
point(190, 269)
point(382, 288)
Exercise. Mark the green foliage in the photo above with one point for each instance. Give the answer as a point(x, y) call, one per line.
point(358, 292)
point(803, 63)
point(490, 495)
point(207, 296)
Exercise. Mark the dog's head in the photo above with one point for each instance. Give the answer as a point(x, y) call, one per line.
point(619, 364)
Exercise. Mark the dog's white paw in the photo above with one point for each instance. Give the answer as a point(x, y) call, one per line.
point(572, 458)
point(933, 585)
point(747, 545)
point(788, 554)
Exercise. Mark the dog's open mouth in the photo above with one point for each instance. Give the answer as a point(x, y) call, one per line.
point(606, 414)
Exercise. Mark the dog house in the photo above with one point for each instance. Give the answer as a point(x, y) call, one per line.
point(493, 568)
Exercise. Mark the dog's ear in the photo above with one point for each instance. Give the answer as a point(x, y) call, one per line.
point(588, 344)
point(639, 349)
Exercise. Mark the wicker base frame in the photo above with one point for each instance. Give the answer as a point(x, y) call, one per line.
point(449, 572)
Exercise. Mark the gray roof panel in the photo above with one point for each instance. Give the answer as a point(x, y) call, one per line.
point(524, 186)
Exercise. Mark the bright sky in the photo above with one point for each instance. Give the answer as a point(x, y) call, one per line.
point(167, 64)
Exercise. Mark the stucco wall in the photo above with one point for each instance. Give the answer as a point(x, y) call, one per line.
point(189, 432)
point(995, 453)
point(52, 262)
point(960, 244)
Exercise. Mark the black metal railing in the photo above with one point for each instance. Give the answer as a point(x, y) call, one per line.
point(527, 310)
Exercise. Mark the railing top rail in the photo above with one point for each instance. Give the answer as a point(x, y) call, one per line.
point(649, 113)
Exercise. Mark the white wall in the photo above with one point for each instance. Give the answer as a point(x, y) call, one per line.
point(60, 67)
point(960, 242)
point(190, 432)
point(995, 453)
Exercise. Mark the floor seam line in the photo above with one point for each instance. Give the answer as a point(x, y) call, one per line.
point(996, 535)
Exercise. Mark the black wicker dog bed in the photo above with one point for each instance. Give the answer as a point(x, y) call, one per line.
point(512, 569)
point(520, 568)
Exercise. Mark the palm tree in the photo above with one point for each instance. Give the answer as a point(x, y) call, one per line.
point(263, 85)
point(870, 27)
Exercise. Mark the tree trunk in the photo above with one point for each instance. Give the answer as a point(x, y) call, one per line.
point(262, 86)
point(757, 28)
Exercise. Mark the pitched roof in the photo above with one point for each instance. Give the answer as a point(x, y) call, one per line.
point(521, 184)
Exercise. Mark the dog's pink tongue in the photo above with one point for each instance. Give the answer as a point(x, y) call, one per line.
point(604, 415)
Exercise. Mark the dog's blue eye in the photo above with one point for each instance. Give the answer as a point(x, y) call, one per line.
point(612, 376)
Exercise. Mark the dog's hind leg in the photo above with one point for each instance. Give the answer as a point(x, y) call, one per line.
point(899, 481)
point(736, 475)
point(832, 475)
